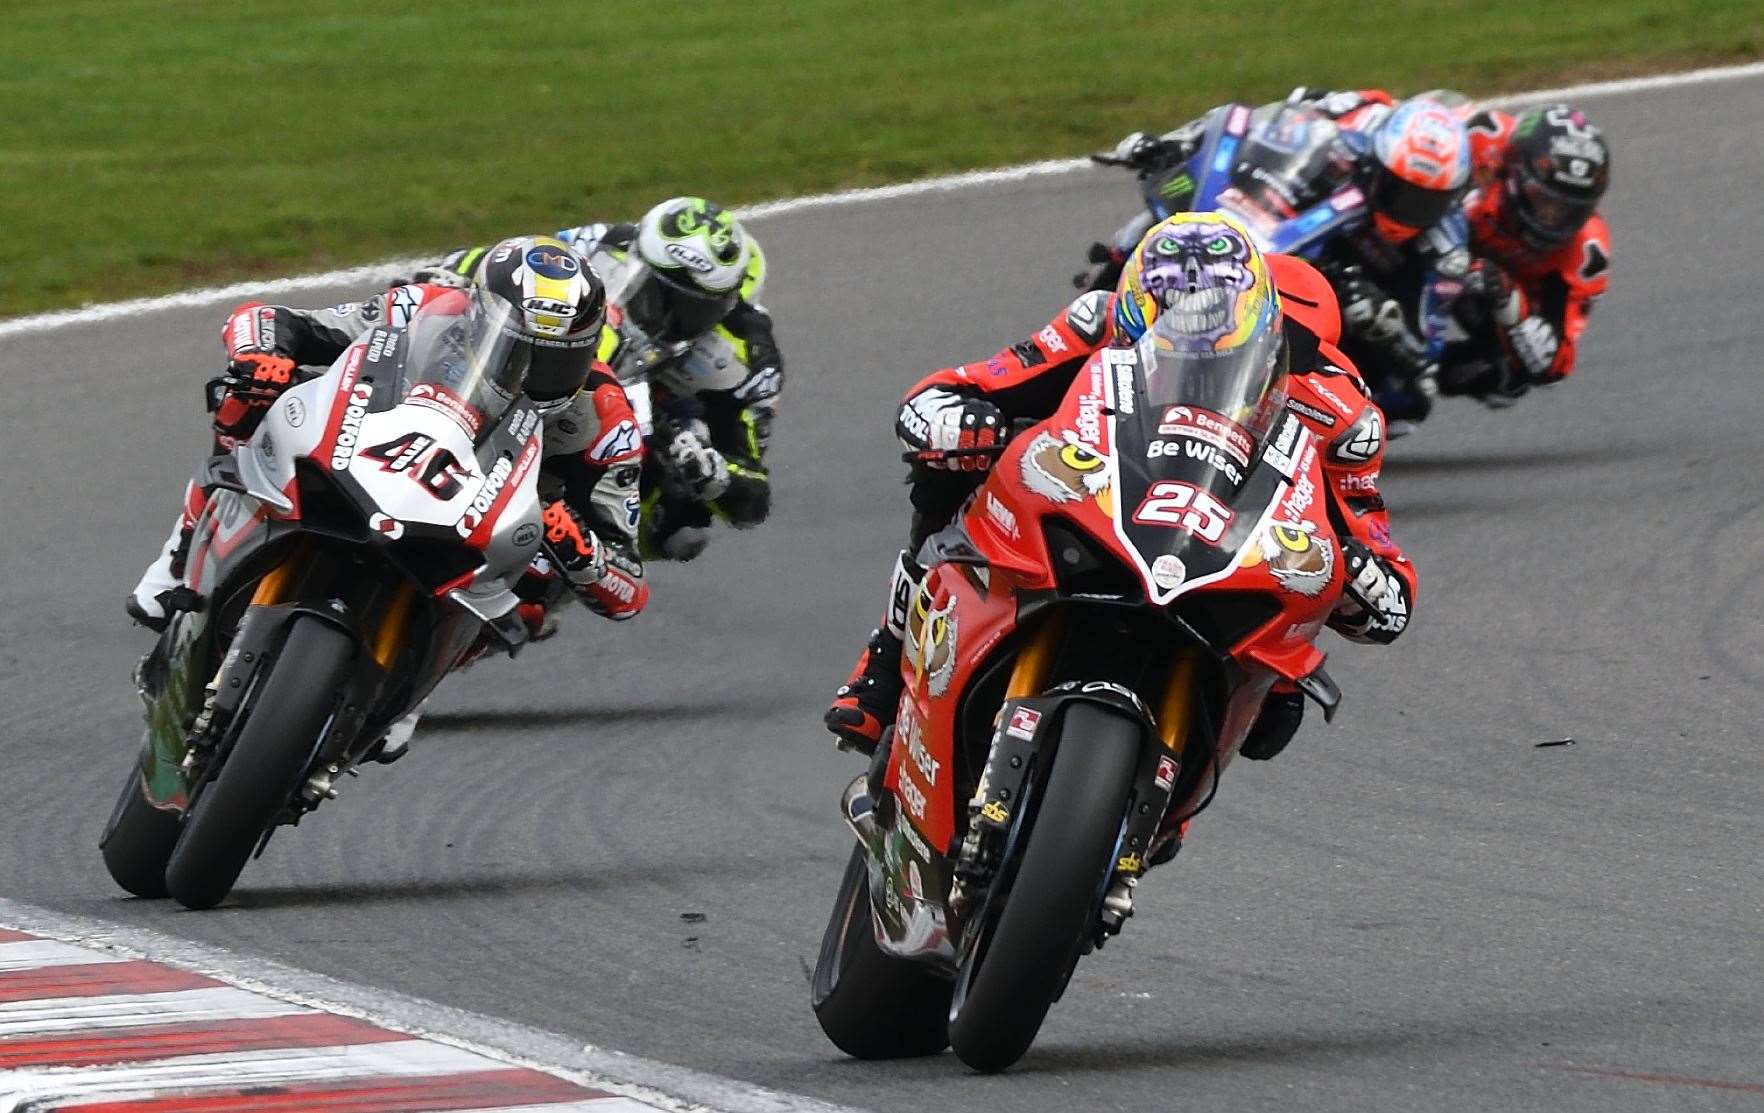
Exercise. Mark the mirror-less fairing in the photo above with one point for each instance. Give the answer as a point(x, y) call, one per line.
point(363, 543)
point(1091, 642)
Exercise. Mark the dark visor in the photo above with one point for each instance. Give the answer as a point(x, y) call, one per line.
point(671, 311)
point(1409, 204)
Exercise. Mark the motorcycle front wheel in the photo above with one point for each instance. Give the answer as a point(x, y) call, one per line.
point(263, 771)
point(1012, 975)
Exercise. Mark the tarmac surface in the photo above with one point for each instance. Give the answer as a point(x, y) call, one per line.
point(1415, 908)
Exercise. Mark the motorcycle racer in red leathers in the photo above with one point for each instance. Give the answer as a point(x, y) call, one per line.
point(592, 442)
point(973, 405)
point(1542, 251)
point(1397, 271)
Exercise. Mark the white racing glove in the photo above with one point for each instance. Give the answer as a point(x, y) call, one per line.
point(1376, 607)
point(935, 423)
point(695, 464)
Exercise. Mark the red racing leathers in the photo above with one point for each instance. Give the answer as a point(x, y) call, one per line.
point(1537, 302)
point(593, 445)
point(1027, 380)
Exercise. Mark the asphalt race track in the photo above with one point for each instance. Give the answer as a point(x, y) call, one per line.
point(1415, 908)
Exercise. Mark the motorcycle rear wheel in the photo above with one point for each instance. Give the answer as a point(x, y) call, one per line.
point(871, 1004)
point(138, 840)
point(263, 771)
point(1036, 939)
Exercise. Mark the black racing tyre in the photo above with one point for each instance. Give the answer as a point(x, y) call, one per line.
point(138, 839)
point(1024, 964)
point(264, 769)
point(871, 1004)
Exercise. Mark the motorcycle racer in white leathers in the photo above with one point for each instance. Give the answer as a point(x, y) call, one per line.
point(593, 445)
point(683, 288)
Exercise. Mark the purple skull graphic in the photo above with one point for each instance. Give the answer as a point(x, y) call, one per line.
point(1196, 270)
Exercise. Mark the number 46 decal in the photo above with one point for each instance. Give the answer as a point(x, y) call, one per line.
point(1184, 506)
point(436, 470)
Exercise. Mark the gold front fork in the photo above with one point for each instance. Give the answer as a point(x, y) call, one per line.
point(1175, 709)
point(1035, 661)
point(389, 638)
point(274, 586)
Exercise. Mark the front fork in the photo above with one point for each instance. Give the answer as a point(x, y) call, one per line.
point(1025, 720)
point(277, 598)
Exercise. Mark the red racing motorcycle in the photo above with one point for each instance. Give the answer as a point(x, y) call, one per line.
point(1091, 643)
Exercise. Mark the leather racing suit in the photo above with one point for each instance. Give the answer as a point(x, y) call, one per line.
point(1526, 309)
point(593, 448)
point(713, 399)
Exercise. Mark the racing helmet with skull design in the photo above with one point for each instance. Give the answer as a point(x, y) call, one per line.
point(1198, 302)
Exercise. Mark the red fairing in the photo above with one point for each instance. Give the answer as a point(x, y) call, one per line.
point(1063, 469)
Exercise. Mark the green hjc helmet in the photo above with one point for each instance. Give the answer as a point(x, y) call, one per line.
point(694, 256)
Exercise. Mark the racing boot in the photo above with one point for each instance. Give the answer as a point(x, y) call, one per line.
point(161, 590)
point(1278, 721)
point(864, 705)
point(670, 529)
point(396, 743)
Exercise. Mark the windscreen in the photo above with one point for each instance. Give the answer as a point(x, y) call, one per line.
point(1285, 164)
point(1195, 403)
point(465, 357)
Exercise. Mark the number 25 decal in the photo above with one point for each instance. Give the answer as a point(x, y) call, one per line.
point(1184, 506)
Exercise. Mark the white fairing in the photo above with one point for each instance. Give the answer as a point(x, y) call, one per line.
point(434, 477)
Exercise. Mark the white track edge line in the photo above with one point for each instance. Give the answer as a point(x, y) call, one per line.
point(660, 1084)
point(92, 314)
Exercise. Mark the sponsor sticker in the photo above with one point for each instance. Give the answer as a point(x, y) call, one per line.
point(1168, 572)
point(349, 430)
point(1024, 721)
point(1165, 777)
point(553, 262)
point(1201, 424)
point(1001, 516)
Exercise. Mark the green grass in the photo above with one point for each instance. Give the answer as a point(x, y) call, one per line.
point(149, 145)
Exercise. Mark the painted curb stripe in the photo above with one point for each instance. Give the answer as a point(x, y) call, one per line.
point(87, 1029)
point(31, 954)
point(133, 1010)
point(99, 979)
point(161, 1041)
point(404, 1095)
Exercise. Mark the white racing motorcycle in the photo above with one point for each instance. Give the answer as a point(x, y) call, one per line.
point(365, 542)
